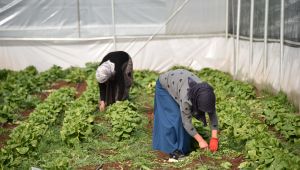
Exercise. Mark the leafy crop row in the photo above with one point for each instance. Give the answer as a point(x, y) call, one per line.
point(25, 138)
point(235, 105)
point(144, 80)
point(17, 89)
point(75, 75)
point(124, 119)
point(279, 113)
point(261, 148)
point(78, 118)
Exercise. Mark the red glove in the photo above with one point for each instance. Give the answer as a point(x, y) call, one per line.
point(213, 144)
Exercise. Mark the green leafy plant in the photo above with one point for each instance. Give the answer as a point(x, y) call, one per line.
point(25, 138)
point(236, 104)
point(17, 91)
point(78, 119)
point(75, 75)
point(124, 119)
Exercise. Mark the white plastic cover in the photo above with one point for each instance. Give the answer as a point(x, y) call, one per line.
point(94, 18)
point(194, 52)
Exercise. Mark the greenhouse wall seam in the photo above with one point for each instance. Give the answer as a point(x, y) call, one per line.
point(237, 47)
point(266, 38)
point(226, 18)
point(251, 39)
point(281, 40)
point(113, 23)
point(78, 19)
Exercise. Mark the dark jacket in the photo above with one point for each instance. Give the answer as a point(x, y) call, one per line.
point(116, 88)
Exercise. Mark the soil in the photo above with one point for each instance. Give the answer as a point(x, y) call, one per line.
point(89, 167)
point(4, 136)
point(108, 166)
point(150, 116)
point(80, 87)
point(236, 162)
point(26, 113)
point(42, 96)
point(116, 166)
point(162, 157)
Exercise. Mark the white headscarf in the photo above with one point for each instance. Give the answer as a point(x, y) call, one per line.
point(105, 71)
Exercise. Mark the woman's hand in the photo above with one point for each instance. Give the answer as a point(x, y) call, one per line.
point(213, 144)
point(202, 143)
point(101, 106)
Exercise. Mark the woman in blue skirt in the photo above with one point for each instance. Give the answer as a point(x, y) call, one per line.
point(179, 96)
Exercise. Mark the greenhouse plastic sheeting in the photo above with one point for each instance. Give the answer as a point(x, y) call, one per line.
point(93, 18)
point(194, 52)
point(291, 19)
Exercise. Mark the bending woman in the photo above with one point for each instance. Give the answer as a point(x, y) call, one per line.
point(115, 77)
point(179, 96)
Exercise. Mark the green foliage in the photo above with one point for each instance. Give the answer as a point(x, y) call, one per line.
point(277, 111)
point(4, 73)
point(51, 75)
point(18, 89)
point(50, 139)
point(90, 68)
point(78, 119)
point(77, 122)
point(236, 104)
point(145, 81)
point(25, 138)
point(124, 119)
point(75, 75)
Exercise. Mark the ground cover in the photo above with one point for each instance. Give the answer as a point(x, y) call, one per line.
point(255, 131)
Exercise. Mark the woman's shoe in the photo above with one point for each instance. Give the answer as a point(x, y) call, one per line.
point(176, 156)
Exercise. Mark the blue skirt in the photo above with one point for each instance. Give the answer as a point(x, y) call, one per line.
point(168, 131)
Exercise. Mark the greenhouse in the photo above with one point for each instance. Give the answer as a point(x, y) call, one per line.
point(52, 57)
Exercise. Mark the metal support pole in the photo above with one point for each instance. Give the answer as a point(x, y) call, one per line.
point(266, 37)
point(226, 19)
point(78, 19)
point(113, 23)
point(236, 60)
point(281, 41)
point(251, 39)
